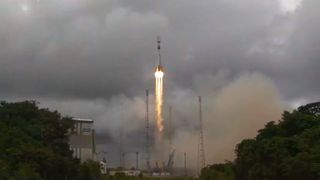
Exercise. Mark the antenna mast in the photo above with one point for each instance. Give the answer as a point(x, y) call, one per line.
point(201, 153)
point(147, 131)
point(185, 164)
point(137, 160)
point(121, 148)
point(170, 127)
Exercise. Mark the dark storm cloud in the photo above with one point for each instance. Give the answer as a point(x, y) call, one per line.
point(90, 49)
point(304, 52)
point(83, 53)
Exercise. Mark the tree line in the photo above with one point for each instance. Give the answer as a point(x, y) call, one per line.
point(287, 149)
point(34, 145)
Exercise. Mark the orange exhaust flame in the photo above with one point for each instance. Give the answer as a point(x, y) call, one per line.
point(159, 98)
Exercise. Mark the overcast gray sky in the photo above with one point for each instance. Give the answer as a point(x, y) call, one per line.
point(94, 58)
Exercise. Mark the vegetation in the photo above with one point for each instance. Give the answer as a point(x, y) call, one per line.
point(219, 171)
point(289, 149)
point(34, 145)
point(147, 178)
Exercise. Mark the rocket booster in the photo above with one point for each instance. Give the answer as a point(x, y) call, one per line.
point(159, 67)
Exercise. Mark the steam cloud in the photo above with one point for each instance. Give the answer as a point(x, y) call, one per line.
point(234, 109)
point(289, 6)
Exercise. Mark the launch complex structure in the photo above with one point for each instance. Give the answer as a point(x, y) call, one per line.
point(159, 73)
point(160, 145)
point(158, 100)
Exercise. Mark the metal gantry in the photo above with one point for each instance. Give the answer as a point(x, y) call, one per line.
point(147, 132)
point(201, 152)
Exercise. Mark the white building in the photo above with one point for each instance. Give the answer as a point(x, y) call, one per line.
point(126, 172)
point(103, 167)
point(82, 139)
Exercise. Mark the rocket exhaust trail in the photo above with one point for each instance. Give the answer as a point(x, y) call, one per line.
point(159, 99)
point(159, 92)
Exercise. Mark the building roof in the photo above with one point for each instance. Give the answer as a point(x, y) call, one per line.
point(82, 120)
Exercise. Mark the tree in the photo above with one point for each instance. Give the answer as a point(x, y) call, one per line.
point(289, 149)
point(312, 108)
point(90, 170)
point(34, 143)
point(218, 171)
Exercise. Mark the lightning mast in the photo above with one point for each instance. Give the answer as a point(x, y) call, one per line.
point(147, 132)
point(201, 153)
point(185, 163)
point(170, 128)
point(121, 148)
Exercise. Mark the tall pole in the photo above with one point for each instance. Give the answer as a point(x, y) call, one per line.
point(122, 143)
point(123, 160)
point(137, 160)
point(170, 127)
point(202, 160)
point(93, 134)
point(185, 163)
point(147, 132)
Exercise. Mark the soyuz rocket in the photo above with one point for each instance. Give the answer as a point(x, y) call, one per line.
point(159, 67)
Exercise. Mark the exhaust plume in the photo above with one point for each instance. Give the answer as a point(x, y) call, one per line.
point(233, 109)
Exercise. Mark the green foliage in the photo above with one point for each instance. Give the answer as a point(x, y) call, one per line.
point(312, 108)
point(123, 177)
point(219, 172)
point(90, 170)
point(289, 149)
point(26, 172)
point(34, 145)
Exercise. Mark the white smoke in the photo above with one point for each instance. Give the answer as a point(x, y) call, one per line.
point(289, 6)
point(233, 109)
point(231, 112)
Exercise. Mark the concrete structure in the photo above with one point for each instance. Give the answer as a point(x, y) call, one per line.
point(82, 139)
point(103, 167)
point(126, 172)
point(156, 174)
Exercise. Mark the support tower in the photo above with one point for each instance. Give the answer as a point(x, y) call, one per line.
point(147, 133)
point(201, 153)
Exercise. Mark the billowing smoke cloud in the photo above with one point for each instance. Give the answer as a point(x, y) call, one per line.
point(233, 109)
point(289, 6)
point(232, 112)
